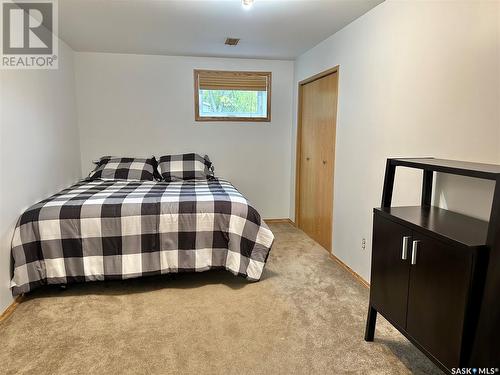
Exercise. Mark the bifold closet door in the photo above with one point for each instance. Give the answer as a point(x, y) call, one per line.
point(316, 147)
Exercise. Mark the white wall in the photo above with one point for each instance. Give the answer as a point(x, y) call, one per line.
point(141, 105)
point(417, 78)
point(40, 151)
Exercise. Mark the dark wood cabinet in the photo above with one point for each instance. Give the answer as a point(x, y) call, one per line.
point(438, 297)
point(422, 284)
point(391, 295)
point(430, 273)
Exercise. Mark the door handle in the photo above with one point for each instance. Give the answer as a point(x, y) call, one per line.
point(414, 252)
point(404, 252)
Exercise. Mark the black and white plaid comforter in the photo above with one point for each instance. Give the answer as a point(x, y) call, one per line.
point(102, 230)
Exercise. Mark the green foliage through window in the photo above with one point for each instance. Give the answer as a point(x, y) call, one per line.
point(233, 103)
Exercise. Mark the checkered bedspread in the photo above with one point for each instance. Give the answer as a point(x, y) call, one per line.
point(102, 230)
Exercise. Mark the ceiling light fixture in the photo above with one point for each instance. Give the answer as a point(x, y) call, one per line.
point(247, 4)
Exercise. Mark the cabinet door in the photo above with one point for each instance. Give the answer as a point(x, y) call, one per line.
point(439, 284)
point(390, 272)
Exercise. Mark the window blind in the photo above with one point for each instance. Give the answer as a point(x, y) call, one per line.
point(225, 80)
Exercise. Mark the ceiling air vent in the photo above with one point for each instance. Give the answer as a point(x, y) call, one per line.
point(232, 41)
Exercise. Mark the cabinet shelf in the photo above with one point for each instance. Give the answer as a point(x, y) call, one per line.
point(462, 168)
point(442, 224)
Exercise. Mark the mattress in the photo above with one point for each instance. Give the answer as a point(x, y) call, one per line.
point(101, 230)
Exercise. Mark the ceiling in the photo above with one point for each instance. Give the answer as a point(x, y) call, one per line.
point(270, 29)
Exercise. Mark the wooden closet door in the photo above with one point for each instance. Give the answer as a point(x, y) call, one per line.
point(318, 112)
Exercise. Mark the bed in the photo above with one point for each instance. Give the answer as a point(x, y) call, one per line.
point(102, 230)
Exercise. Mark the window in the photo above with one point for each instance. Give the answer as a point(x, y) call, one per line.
point(232, 96)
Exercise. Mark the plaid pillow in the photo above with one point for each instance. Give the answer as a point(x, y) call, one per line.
point(185, 167)
point(130, 169)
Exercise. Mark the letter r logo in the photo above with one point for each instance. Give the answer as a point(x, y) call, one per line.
point(27, 28)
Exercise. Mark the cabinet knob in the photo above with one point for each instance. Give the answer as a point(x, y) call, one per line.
point(414, 252)
point(324, 161)
point(308, 158)
point(404, 252)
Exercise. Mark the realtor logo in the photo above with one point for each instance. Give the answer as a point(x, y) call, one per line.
point(29, 34)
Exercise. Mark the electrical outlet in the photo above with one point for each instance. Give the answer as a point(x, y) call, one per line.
point(363, 243)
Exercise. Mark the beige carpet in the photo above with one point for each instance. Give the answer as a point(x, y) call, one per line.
point(306, 316)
